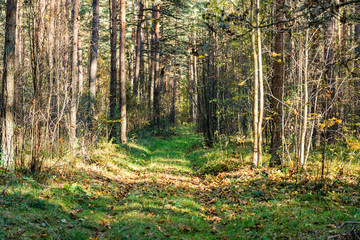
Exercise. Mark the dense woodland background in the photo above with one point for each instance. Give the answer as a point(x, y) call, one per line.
point(180, 119)
point(281, 75)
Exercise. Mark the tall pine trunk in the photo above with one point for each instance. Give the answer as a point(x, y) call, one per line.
point(7, 108)
point(94, 47)
point(156, 63)
point(277, 85)
point(113, 78)
point(138, 54)
point(191, 88)
point(123, 71)
point(74, 73)
point(175, 75)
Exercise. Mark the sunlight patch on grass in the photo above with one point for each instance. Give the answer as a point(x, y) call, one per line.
point(138, 146)
point(175, 169)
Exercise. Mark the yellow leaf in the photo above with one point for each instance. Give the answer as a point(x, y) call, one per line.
point(274, 54)
point(242, 83)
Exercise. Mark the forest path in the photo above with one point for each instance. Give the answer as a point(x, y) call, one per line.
point(166, 199)
point(151, 189)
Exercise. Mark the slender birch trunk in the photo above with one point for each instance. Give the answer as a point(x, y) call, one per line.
point(306, 99)
point(256, 96)
point(261, 86)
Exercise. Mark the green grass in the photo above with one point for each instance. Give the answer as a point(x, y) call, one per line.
point(172, 187)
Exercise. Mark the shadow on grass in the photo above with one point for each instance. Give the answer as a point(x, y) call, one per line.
point(27, 217)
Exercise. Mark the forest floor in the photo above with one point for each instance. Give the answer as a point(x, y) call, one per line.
point(175, 188)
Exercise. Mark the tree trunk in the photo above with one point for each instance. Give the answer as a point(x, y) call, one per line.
point(113, 78)
point(139, 43)
point(356, 106)
point(74, 73)
point(156, 63)
point(261, 86)
point(277, 86)
point(357, 33)
point(306, 99)
point(38, 58)
point(66, 48)
point(175, 75)
point(94, 47)
point(123, 71)
point(51, 72)
point(80, 66)
point(51, 50)
point(132, 54)
point(256, 97)
point(191, 88)
point(195, 71)
point(7, 108)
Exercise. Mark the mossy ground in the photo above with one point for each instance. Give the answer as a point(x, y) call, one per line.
point(174, 188)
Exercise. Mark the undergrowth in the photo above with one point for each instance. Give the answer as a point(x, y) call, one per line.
point(171, 186)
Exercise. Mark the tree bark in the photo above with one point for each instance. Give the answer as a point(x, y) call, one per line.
point(51, 45)
point(175, 75)
point(80, 66)
point(277, 86)
point(306, 99)
point(74, 73)
point(191, 88)
point(139, 46)
point(195, 73)
point(38, 59)
point(356, 107)
point(156, 63)
point(261, 86)
point(51, 72)
point(94, 47)
point(256, 97)
point(113, 77)
point(123, 71)
point(7, 108)
point(357, 33)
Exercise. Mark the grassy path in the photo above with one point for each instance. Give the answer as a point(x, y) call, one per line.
point(165, 203)
point(150, 189)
